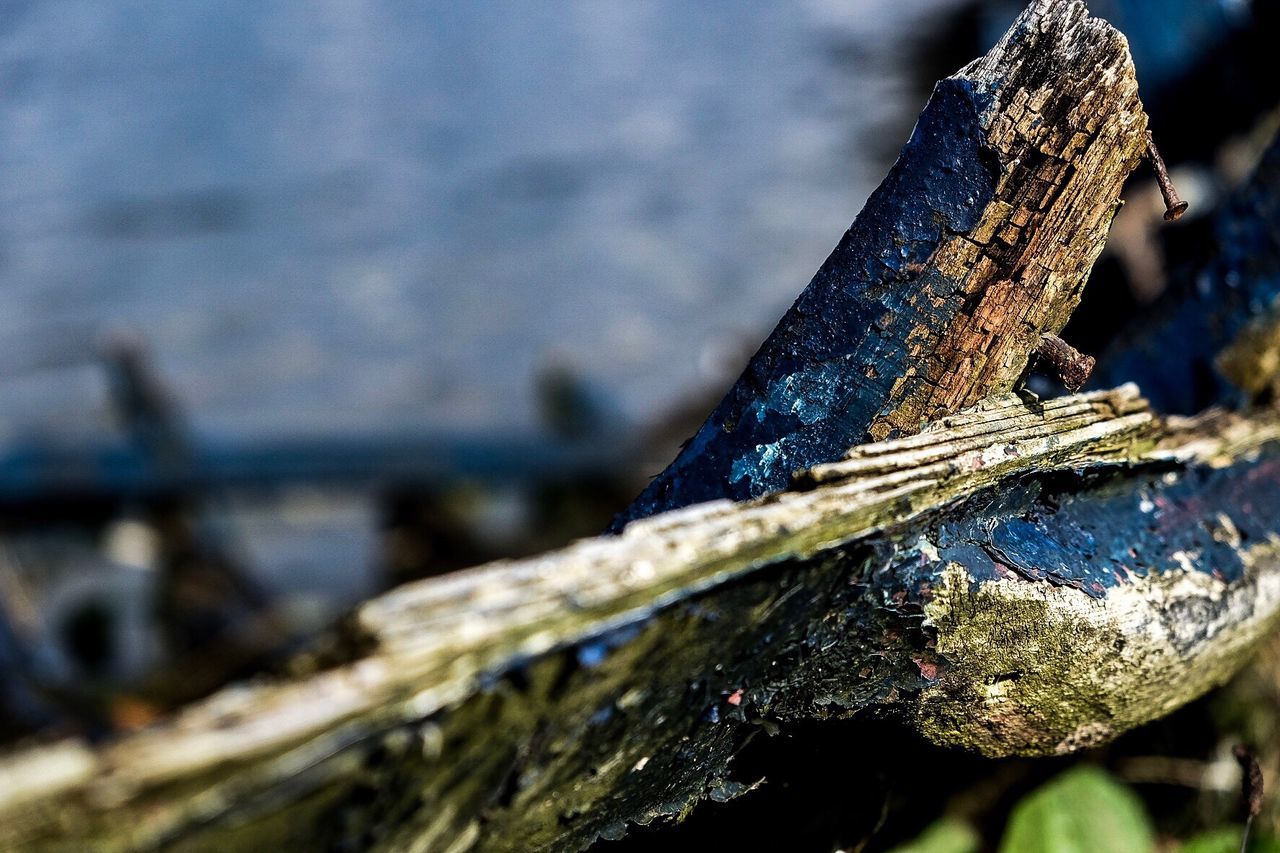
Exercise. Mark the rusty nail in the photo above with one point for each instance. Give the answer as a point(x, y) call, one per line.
point(1174, 206)
point(1072, 366)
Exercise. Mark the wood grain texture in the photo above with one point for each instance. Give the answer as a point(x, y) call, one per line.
point(978, 242)
point(572, 669)
point(1016, 576)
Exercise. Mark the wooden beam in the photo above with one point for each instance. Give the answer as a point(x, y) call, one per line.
point(1018, 576)
point(1025, 577)
point(978, 242)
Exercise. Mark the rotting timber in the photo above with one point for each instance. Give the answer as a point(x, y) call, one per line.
point(1021, 576)
point(978, 242)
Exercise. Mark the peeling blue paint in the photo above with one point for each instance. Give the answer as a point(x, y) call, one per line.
point(826, 371)
point(1103, 537)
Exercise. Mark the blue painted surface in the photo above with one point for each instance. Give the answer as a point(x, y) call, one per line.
point(825, 372)
point(1096, 539)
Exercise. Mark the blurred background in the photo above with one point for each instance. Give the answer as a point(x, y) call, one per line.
point(299, 275)
point(303, 299)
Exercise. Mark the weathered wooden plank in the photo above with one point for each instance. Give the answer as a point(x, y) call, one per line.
point(1024, 577)
point(970, 578)
point(978, 242)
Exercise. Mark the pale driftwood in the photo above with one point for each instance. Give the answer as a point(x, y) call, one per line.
point(252, 764)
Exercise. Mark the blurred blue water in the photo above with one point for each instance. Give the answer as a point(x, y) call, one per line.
point(334, 215)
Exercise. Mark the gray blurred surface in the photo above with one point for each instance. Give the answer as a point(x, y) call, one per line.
point(328, 216)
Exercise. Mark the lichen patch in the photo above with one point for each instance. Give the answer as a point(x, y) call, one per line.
point(1033, 668)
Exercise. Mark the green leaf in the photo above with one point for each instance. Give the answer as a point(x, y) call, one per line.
point(1083, 810)
point(947, 835)
point(1226, 839)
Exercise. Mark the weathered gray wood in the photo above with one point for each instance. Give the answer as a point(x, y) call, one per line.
point(411, 722)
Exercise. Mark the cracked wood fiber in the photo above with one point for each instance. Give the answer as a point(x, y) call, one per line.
point(1018, 578)
point(979, 241)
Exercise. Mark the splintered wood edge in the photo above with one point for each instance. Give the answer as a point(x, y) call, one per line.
point(435, 639)
point(432, 642)
point(942, 290)
point(1067, 139)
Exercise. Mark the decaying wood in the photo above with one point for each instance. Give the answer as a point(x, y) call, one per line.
point(1020, 576)
point(978, 242)
point(867, 587)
